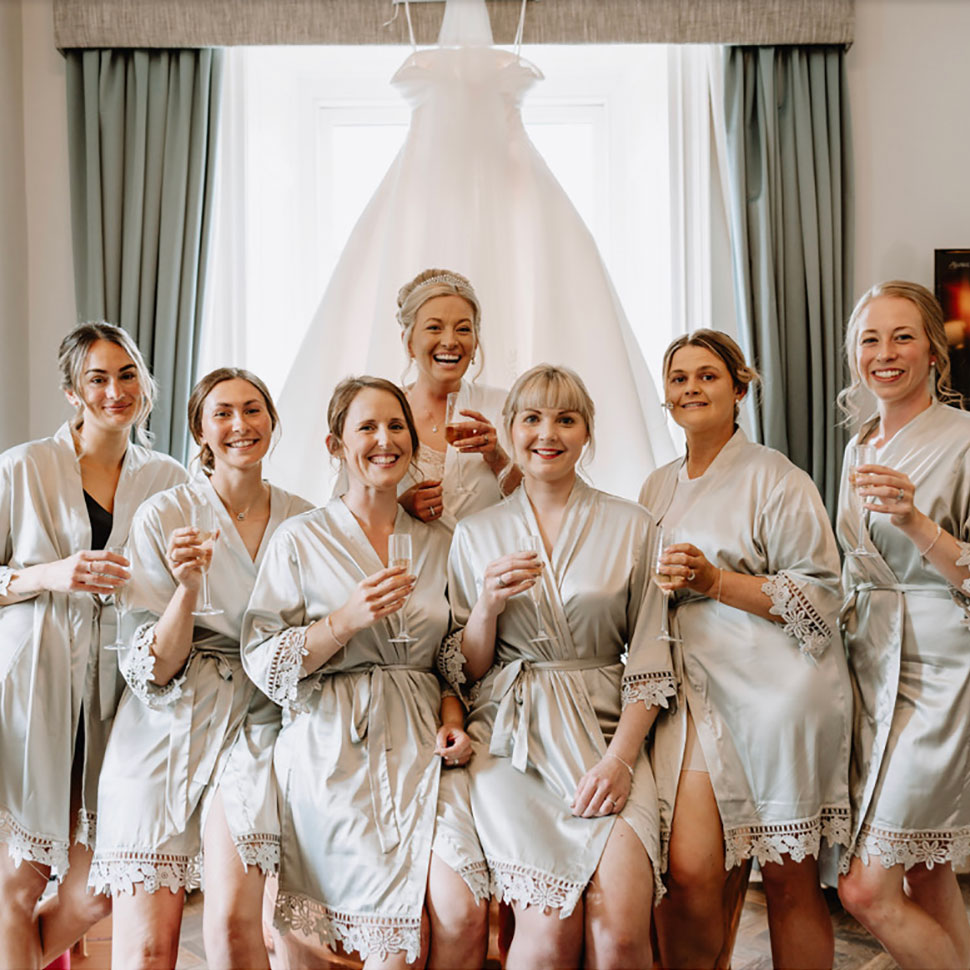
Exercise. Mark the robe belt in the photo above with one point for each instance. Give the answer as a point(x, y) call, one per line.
point(181, 790)
point(368, 719)
point(513, 691)
point(923, 590)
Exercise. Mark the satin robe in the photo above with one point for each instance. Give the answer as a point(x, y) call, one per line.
point(771, 701)
point(52, 665)
point(206, 730)
point(909, 653)
point(355, 759)
point(544, 713)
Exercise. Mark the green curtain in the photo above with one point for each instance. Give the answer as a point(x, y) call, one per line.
point(791, 219)
point(142, 136)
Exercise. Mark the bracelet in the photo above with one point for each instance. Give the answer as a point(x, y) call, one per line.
point(939, 532)
point(720, 575)
point(336, 640)
point(628, 767)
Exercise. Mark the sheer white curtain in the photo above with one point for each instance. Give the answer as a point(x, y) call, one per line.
point(308, 134)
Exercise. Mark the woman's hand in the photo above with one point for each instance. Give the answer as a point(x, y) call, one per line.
point(453, 744)
point(507, 577)
point(603, 790)
point(423, 501)
point(187, 557)
point(478, 436)
point(688, 568)
point(88, 571)
point(888, 492)
point(373, 598)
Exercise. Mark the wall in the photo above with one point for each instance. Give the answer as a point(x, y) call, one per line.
point(908, 78)
point(14, 423)
point(909, 75)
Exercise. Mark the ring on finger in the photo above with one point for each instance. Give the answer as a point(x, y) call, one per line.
point(691, 576)
point(899, 495)
point(501, 581)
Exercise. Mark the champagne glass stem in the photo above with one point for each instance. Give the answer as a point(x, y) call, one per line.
point(206, 604)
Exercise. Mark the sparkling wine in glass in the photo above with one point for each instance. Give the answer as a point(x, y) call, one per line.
point(660, 542)
point(860, 455)
point(535, 544)
point(454, 432)
point(399, 554)
point(204, 519)
point(118, 599)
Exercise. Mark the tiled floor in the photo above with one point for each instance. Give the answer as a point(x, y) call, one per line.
point(854, 948)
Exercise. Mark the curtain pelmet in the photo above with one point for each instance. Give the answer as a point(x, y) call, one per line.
point(142, 132)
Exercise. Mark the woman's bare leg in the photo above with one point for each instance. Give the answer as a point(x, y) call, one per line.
point(876, 897)
point(937, 891)
point(798, 918)
point(542, 939)
point(691, 917)
point(619, 904)
point(459, 924)
point(145, 928)
point(20, 889)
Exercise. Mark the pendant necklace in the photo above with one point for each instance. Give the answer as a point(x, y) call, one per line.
point(241, 516)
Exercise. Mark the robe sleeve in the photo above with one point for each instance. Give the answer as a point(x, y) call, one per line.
point(148, 593)
point(649, 675)
point(462, 594)
point(802, 562)
point(274, 627)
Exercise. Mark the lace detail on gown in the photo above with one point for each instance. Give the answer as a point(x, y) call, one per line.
point(259, 849)
point(364, 933)
point(138, 667)
point(431, 462)
point(797, 839)
point(25, 845)
point(802, 619)
point(286, 669)
point(451, 661)
point(651, 688)
point(929, 848)
point(117, 872)
point(6, 577)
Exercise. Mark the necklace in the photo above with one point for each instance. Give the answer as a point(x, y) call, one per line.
point(241, 516)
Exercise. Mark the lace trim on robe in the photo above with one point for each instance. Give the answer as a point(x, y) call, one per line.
point(364, 933)
point(259, 849)
point(22, 845)
point(286, 669)
point(802, 619)
point(87, 828)
point(893, 848)
point(117, 872)
point(798, 839)
point(138, 667)
point(964, 560)
point(515, 883)
point(652, 688)
point(6, 578)
point(477, 879)
point(451, 661)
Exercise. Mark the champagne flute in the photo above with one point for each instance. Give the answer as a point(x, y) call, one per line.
point(453, 434)
point(534, 544)
point(204, 519)
point(120, 605)
point(399, 554)
point(659, 576)
point(860, 455)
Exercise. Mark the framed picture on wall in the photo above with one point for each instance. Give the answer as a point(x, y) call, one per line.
point(953, 291)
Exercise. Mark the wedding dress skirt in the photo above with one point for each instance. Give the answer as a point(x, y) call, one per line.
point(469, 192)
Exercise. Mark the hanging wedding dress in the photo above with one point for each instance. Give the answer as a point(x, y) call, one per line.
point(469, 192)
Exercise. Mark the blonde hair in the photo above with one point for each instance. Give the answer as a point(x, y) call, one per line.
point(197, 400)
point(72, 354)
point(550, 386)
point(426, 286)
point(931, 316)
